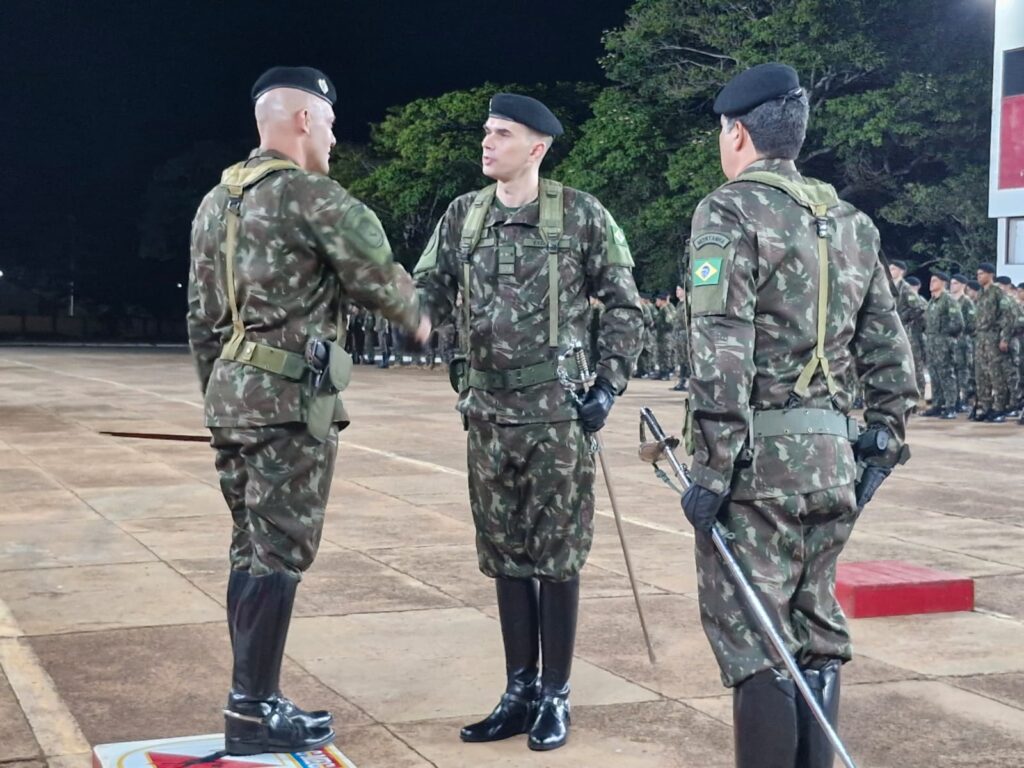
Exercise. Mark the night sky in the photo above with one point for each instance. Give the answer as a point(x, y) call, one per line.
point(97, 94)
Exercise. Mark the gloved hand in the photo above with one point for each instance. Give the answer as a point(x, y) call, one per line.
point(597, 403)
point(702, 506)
point(871, 478)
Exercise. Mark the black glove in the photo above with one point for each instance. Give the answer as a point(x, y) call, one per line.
point(871, 478)
point(597, 403)
point(702, 506)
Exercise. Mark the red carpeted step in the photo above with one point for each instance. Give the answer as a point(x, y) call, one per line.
point(894, 588)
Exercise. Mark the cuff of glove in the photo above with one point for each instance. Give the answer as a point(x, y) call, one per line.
point(708, 478)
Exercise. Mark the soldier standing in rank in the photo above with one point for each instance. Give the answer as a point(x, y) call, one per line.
point(682, 340)
point(665, 318)
point(526, 254)
point(369, 336)
point(1013, 359)
point(355, 333)
point(943, 326)
point(648, 354)
point(264, 290)
point(911, 306)
point(767, 420)
point(964, 352)
point(994, 321)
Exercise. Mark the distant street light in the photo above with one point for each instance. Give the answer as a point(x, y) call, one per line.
point(179, 284)
point(1, 273)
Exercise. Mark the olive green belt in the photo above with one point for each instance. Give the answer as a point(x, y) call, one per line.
point(521, 378)
point(804, 421)
point(280, 361)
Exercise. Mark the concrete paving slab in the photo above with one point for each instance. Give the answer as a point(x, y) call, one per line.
point(1007, 688)
point(1002, 594)
point(31, 478)
point(929, 724)
point(25, 546)
point(166, 501)
point(957, 534)
point(54, 506)
point(423, 665)
point(59, 600)
point(16, 739)
point(385, 521)
point(971, 643)
point(115, 472)
point(865, 545)
point(416, 488)
point(662, 734)
point(156, 682)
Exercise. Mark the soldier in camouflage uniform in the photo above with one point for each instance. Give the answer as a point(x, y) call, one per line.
point(1013, 374)
point(682, 340)
point(964, 351)
point(664, 323)
point(994, 321)
point(648, 350)
point(531, 472)
point(911, 306)
point(369, 336)
point(277, 248)
point(943, 325)
point(771, 439)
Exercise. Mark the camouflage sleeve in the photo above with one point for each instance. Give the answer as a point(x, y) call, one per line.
point(955, 320)
point(884, 360)
point(203, 340)
point(969, 315)
point(351, 238)
point(437, 280)
point(1007, 316)
point(610, 279)
point(723, 295)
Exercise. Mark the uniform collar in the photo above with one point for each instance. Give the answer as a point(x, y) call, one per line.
point(267, 154)
point(785, 168)
point(527, 215)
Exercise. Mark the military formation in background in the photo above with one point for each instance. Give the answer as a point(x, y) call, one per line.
point(969, 337)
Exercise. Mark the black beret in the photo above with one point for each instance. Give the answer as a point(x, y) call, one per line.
point(899, 263)
point(301, 78)
point(974, 285)
point(960, 278)
point(753, 87)
point(1004, 280)
point(987, 266)
point(943, 276)
point(1020, 286)
point(525, 110)
point(913, 281)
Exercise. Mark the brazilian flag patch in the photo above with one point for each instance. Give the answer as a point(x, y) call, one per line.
point(707, 270)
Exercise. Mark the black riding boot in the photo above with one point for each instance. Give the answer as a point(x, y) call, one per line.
point(318, 718)
point(815, 750)
point(559, 607)
point(257, 718)
point(764, 713)
point(517, 609)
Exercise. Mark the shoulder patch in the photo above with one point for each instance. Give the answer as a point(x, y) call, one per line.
point(364, 229)
point(618, 248)
point(713, 238)
point(707, 270)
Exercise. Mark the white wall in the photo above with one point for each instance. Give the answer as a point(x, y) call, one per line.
point(1002, 204)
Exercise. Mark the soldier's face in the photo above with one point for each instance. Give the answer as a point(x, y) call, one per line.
point(320, 140)
point(936, 286)
point(509, 148)
point(984, 278)
point(895, 272)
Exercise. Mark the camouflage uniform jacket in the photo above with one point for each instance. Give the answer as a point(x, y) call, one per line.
point(943, 317)
point(304, 246)
point(910, 305)
point(665, 320)
point(753, 328)
point(967, 309)
point(509, 309)
point(994, 313)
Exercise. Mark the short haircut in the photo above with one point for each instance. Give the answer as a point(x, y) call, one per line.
point(777, 127)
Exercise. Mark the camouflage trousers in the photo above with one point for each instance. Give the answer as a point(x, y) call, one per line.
point(942, 369)
point(991, 373)
point(275, 480)
point(683, 355)
point(531, 489)
point(963, 356)
point(917, 349)
point(1017, 367)
point(788, 547)
point(666, 354)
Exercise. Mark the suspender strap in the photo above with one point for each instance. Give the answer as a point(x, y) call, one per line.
point(230, 246)
point(817, 198)
point(551, 226)
point(472, 228)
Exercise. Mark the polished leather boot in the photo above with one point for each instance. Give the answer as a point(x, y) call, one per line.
point(318, 718)
point(559, 607)
point(518, 612)
point(814, 749)
point(765, 725)
point(257, 718)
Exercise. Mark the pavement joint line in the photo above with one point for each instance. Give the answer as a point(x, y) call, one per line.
point(55, 729)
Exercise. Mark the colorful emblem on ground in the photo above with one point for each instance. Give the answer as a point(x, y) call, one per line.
point(706, 271)
point(190, 751)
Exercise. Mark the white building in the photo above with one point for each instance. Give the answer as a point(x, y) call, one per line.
point(1006, 175)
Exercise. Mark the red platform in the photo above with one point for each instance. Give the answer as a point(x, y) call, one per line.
point(894, 588)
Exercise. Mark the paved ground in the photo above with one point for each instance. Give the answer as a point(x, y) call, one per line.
point(112, 573)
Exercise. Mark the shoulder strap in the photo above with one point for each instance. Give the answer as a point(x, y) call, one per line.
point(236, 180)
point(472, 228)
point(817, 197)
point(552, 213)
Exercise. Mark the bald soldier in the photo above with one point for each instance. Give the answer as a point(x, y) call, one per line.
point(787, 297)
point(526, 254)
point(277, 249)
